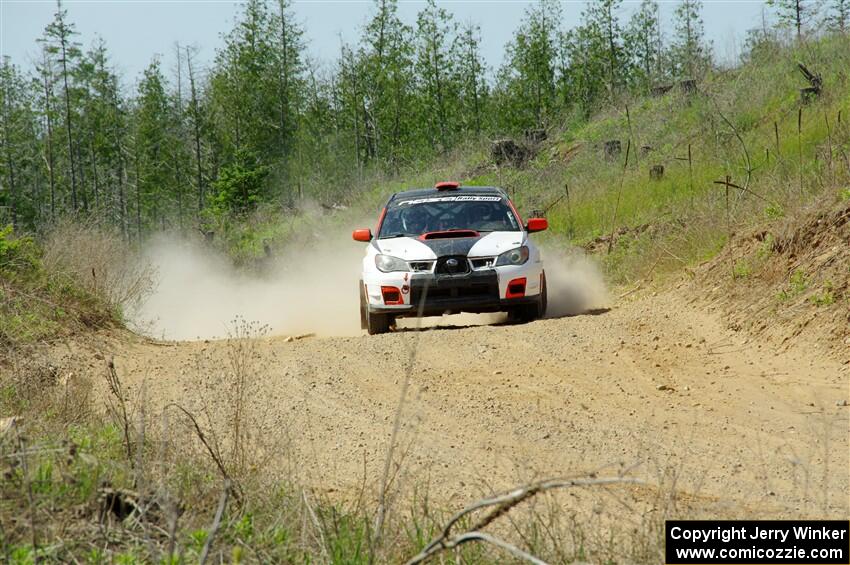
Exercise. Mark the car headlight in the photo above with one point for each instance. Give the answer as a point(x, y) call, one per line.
point(388, 264)
point(516, 256)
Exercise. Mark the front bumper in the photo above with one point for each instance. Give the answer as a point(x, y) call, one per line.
point(477, 291)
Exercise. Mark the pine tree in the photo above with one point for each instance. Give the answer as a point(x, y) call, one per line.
point(99, 100)
point(582, 69)
point(196, 119)
point(690, 54)
point(386, 55)
point(46, 80)
point(837, 19)
point(244, 86)
point(153, 150)
point(349, 104)
point(20, 160)
point(600, 19)
point(526, 82)
point(435, 71)
point(794, 13)
point(644, 42)
point(58, 36)
point(290, 69)
point(10, 94)
point(471, 76)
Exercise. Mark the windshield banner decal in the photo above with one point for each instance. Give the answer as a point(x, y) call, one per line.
point(467, 198)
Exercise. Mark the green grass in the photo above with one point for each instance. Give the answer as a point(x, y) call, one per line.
point(797, 285)
point(825, 296)
point(758, 99)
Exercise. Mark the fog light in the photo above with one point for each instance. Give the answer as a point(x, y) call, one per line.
point(516, 288)
point(392, 295)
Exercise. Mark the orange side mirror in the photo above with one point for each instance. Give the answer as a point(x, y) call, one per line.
point(362, 235)
point(537, 224)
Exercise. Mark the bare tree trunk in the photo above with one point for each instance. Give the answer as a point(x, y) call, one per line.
point(196, 119)
point(612, 51)
point(83, 193)
point(49, 140)
point(68, 123)
point(283, 87)
point(178, 172)
point(138, 201)
point(94, 175)
point(798, 15)
point(13, 195)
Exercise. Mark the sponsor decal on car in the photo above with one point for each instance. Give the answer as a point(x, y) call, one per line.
point(471, 198)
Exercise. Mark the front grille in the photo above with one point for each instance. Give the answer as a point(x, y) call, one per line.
point(438, 294)
point(482, 262)
point(421, 266)
point(452, 265)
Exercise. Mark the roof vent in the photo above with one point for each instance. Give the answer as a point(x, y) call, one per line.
point(447, 185)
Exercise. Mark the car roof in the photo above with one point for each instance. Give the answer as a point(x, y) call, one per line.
point(465, 190)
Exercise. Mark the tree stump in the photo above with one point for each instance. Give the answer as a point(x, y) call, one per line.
point(660, 90)
point(688, 86)
point(815, 80)
point(656, 172)
point(612, 149)
point(508, 151)
point(809, 94)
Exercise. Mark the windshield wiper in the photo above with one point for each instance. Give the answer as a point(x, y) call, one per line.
point(393, 235)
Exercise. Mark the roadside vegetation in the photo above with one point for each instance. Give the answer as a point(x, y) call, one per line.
point(637, 147)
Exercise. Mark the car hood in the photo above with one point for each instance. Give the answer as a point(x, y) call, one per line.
point(417, 249)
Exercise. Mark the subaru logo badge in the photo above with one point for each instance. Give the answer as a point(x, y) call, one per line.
point(451, 263)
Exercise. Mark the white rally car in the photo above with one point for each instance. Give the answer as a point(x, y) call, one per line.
point(450, 249)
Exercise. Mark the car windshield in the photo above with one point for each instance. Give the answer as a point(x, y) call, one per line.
point(482, 213)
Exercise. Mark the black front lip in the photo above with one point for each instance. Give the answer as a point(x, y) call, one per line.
point(473, 292)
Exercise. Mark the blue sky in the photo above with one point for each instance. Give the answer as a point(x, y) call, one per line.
point(135, 30)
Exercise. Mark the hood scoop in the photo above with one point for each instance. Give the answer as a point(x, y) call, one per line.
point(450, 234)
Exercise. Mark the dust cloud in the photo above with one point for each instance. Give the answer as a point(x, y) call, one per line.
point(574, 282)
point(307, 289)
point(199, 293)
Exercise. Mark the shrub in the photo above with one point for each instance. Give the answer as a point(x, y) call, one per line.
point(100, 262)
point(17, 255)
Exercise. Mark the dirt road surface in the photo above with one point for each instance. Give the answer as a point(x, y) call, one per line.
point(656, 381)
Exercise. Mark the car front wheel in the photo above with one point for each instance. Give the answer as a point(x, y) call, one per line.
point(370, 321)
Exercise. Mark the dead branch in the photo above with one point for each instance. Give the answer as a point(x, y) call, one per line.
point(222, 504)
point(730, 184)
point(30, 494)
point(813, 78)
point(500, 505)
point(120, 412)
point(237, 494)
point(619, 194)
point(740, 140)
point(487, 538)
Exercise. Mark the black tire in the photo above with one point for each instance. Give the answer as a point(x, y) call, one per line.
point(364, 313)
point(524, 314)
point(544, 295)
point(378, 323)
point(371, 322)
